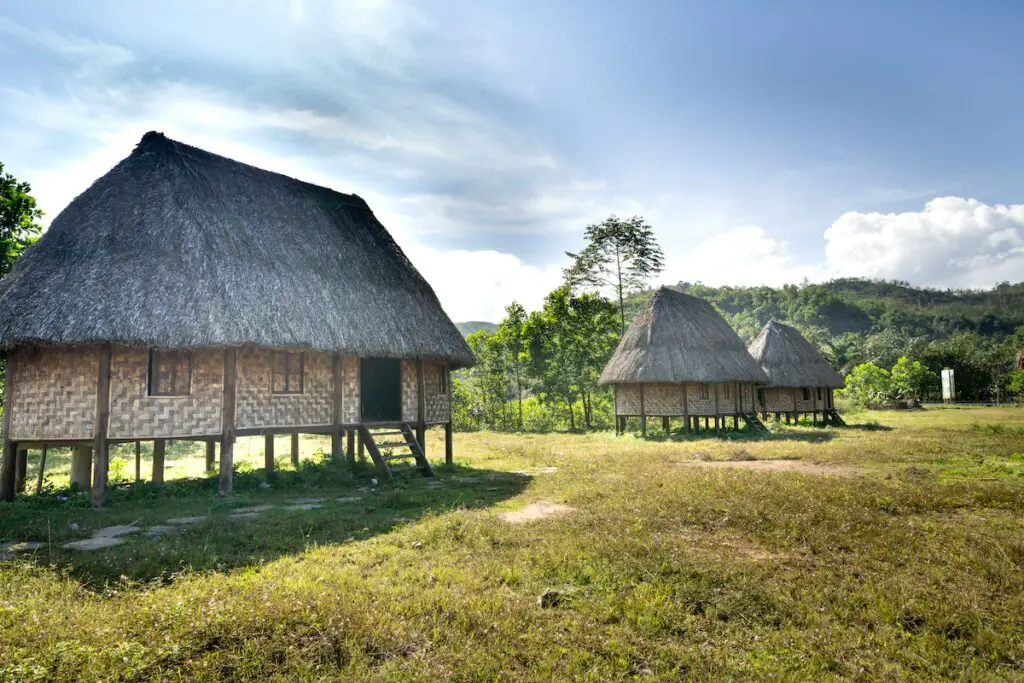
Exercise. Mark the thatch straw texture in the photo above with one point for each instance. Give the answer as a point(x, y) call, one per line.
point(680, 338)
point(177, 247)
point(789, 360)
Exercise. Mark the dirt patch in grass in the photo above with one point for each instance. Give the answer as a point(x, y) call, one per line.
point(535, 511)
point(802, 466)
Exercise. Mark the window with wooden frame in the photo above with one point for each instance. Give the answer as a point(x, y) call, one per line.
point(169, 373)
point(442, 381)
point(819, 393)
point(807, 394)
point(703, 391)
point(287, 372)
point(725, 393)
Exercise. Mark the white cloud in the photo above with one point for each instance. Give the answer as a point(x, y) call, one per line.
point(743, 256)
point(952, 242)
point(477, 285)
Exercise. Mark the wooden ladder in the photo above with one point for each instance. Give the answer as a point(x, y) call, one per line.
point(754, 422)
point(833, 417)
point(400, 444)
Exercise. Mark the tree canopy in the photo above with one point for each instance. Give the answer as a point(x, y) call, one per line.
point(19, 219)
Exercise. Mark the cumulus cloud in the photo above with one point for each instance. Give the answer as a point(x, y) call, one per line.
point(953, 241)
point(744, 256)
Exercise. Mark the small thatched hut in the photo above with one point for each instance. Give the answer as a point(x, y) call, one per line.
point(680, 358)
point(185, 295)
point(801, 381)
point(1020, 360)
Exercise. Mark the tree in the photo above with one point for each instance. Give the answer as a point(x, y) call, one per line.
point(569, 340)
point(621, 255)
point(18, 220)
point(912, 381)
point(868, 386)
point(510, 336)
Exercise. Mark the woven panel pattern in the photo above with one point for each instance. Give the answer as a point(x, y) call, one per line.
point(788, 400)
point(350, 403)
point(257, 406)
point(135, 414)
point(410, 396)
point(438, 404)
point(54, 392)
point(667, 399)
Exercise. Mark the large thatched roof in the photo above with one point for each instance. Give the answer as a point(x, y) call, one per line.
point(178, 247)
point(789, 360)
point(680, 338)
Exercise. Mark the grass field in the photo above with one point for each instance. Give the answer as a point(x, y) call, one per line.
point(892, 549)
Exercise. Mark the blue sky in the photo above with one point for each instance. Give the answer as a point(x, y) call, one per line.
point(766, 142)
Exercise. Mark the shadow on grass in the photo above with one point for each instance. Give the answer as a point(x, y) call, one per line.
point(866, 427)
point(343, 505)
point(815, 436)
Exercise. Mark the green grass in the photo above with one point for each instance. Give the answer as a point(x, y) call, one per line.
point(908, 564)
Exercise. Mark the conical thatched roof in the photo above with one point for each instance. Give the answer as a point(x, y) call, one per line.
point(177, 247)
point(680, 338)
point(789, 360)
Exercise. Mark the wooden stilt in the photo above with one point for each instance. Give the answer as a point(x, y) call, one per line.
point(159, 450)
point(362, 449)
point(20, 470)
point(295, 450)
point(211, 455)
point(7, 471)
point(138, 461)
point(421, 407)
point(42, 469)
point(337, 397)
point(268, 455)
point(227, 438)
point(717, 408)
point(643, 414)
point(686, 407)
point(81, 467)
point(665, 424)
point(615, 409)
point(101, 446)
point(10, 447)
point(814, 406)
point(448, 443)
point(351, 438)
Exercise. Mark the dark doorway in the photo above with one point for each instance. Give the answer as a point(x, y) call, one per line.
point(380, 386)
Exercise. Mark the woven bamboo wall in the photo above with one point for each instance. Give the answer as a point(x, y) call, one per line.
point(780, 399)
point(351, 408)
point(54, 392)
point(667, 399)
point(438, 404)
point(410, 394)
point(135, 414)
point(256, 406)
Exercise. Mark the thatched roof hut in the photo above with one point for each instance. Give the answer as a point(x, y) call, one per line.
point(790, 360)
point(800, 380)
point(185, 295)
point(680, 358)
point(1020, 360)
point(680, 338)
point(177, 247)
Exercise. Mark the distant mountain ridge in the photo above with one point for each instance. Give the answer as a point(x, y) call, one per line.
point(470, 326)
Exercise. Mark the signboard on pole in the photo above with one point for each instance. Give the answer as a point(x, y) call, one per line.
point(948, 386)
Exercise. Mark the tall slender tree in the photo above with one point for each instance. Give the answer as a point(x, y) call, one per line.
point(510, 336)
point(621, 255)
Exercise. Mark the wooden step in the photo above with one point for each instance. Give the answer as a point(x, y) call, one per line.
point(393, 444)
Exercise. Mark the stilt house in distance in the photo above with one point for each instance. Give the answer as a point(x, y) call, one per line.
point(185, 295)
point(681, 359)
point(801, 381)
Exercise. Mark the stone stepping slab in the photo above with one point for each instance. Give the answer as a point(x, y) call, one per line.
point(94, 543)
